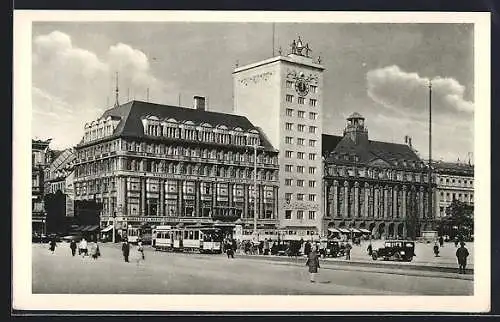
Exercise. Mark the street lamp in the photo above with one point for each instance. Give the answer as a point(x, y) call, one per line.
point(114, 223)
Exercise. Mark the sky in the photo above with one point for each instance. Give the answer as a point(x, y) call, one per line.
point(379, 70)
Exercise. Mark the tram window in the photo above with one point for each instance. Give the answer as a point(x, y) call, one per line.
point(191, 235)
point(186, 234)
point(196, 235)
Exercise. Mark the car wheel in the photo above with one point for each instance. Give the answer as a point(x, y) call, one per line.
point(409, 259)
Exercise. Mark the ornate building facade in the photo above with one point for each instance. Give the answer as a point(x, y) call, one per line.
point(159, 164)
point(284, 96)
point(378, 186)
point(455, 181)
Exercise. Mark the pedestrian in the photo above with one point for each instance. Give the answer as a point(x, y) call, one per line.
point(313, 263)
point(462, 254)
point(140, 249)
point(436, 249)
point(83, 247)
point(266, 247)
point(307, 248)
point(53, 245)
point(348, 251)
point(456, 241)
point(441, 241)
point(370, 249)
point(93, 251)
point(125, 250)
point(72, 246)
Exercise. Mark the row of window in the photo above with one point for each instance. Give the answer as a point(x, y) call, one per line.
point(302, 114)
point(300, 155)
point(300, 169)
point(301, 100)
point(301, 128)
point(300, 183)
point(300, 214)
point(459, 181)
point(300, 141)
point(312, 88)
point(299, 197)
point(457, 196)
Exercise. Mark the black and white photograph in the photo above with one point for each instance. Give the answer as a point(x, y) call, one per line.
point(240, 161)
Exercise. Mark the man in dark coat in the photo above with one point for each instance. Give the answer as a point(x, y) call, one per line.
point(313, 263)
point(441, 241)
point(307, 248)
point(53, 245)
point(462, 254)
point(348, 251)
point(125, 250)
point(72, 245)
point(370, 249)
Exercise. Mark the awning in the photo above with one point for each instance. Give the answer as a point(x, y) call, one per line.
point(92, 228)
point(84, 228)
point(344, 230)
point(355, 230)
point(105, 230)
point(334, 230)
point(364, 230)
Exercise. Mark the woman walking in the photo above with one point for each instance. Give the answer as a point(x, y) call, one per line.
point(313, 263)
point(53, 245)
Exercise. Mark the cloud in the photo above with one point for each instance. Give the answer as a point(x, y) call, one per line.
point(74, 85)
point(406, 92)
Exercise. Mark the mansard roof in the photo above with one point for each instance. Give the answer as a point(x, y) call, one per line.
point(453, 168)
point(132, 112)
point(342, 150)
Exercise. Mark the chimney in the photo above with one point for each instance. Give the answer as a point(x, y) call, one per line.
point(199, 103)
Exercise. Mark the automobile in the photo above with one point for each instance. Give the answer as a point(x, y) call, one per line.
point(399, 250)
point(333, 249)
point(69, 238)
point(39, 238)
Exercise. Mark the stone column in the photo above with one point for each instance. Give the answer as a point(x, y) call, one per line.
point(375, 202)
point(245, 200)
point(143, 196)
point(356, 200)
point(335, 198)
point(276, 204)
point(162, 197)
point(366, 205)
point(395, 202)
point(386, 199)
point(260, 188)
point(346, 199)
point(421, 202)
point(403, 200)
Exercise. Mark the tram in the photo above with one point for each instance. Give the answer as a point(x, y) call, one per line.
point(188, 239)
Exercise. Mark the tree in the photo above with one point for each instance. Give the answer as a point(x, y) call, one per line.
point(459, 220)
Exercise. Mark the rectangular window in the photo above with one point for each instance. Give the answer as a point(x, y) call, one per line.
point(289, 154)
point(288, 196)
point(288, 140)
point(300, 169)
point(300, 155)
point(313, 88)
point(300, 183)
point(300, 196)
point(289, 98)
point(312, 184)
point(312, 102)
point(289, 84)
point(300, 127)
point(288, 168)
point(300, 100)
point(312, 215)
point(288, 214)
point(300, 141)
point(288, 182)
point(312, 197)
point(313, 115)
point(289, 126)
point(312, 129)
point(312, 170)
point(312, 143)
point(300, 214)
point(312, 156)
point(301, 114)
point(289, 112)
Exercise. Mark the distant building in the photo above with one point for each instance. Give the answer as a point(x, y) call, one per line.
point(158, 164)
point(455, 181)
point(40, 158)
point(371, 185)
point(284, 96)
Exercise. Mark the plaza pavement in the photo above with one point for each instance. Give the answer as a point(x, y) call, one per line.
point(179, 273)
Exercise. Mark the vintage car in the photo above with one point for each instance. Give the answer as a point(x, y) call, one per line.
point(400, 250)
point(333, 249)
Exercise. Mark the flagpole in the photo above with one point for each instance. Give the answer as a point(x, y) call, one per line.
point(430, 213)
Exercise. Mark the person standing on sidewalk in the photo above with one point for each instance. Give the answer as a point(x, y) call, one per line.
point(313, 263)
point(53, 245)
point(462, 254)
point(436, 249)
point(441, 241)
point(125, 250)
point(348, 251)
point(72, 246)
point(370, 249)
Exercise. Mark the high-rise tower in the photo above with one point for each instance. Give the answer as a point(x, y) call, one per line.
point(284, 96)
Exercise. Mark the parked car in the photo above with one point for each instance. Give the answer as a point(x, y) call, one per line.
point(400, 250)
point(334, 249)
point(39, 238)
